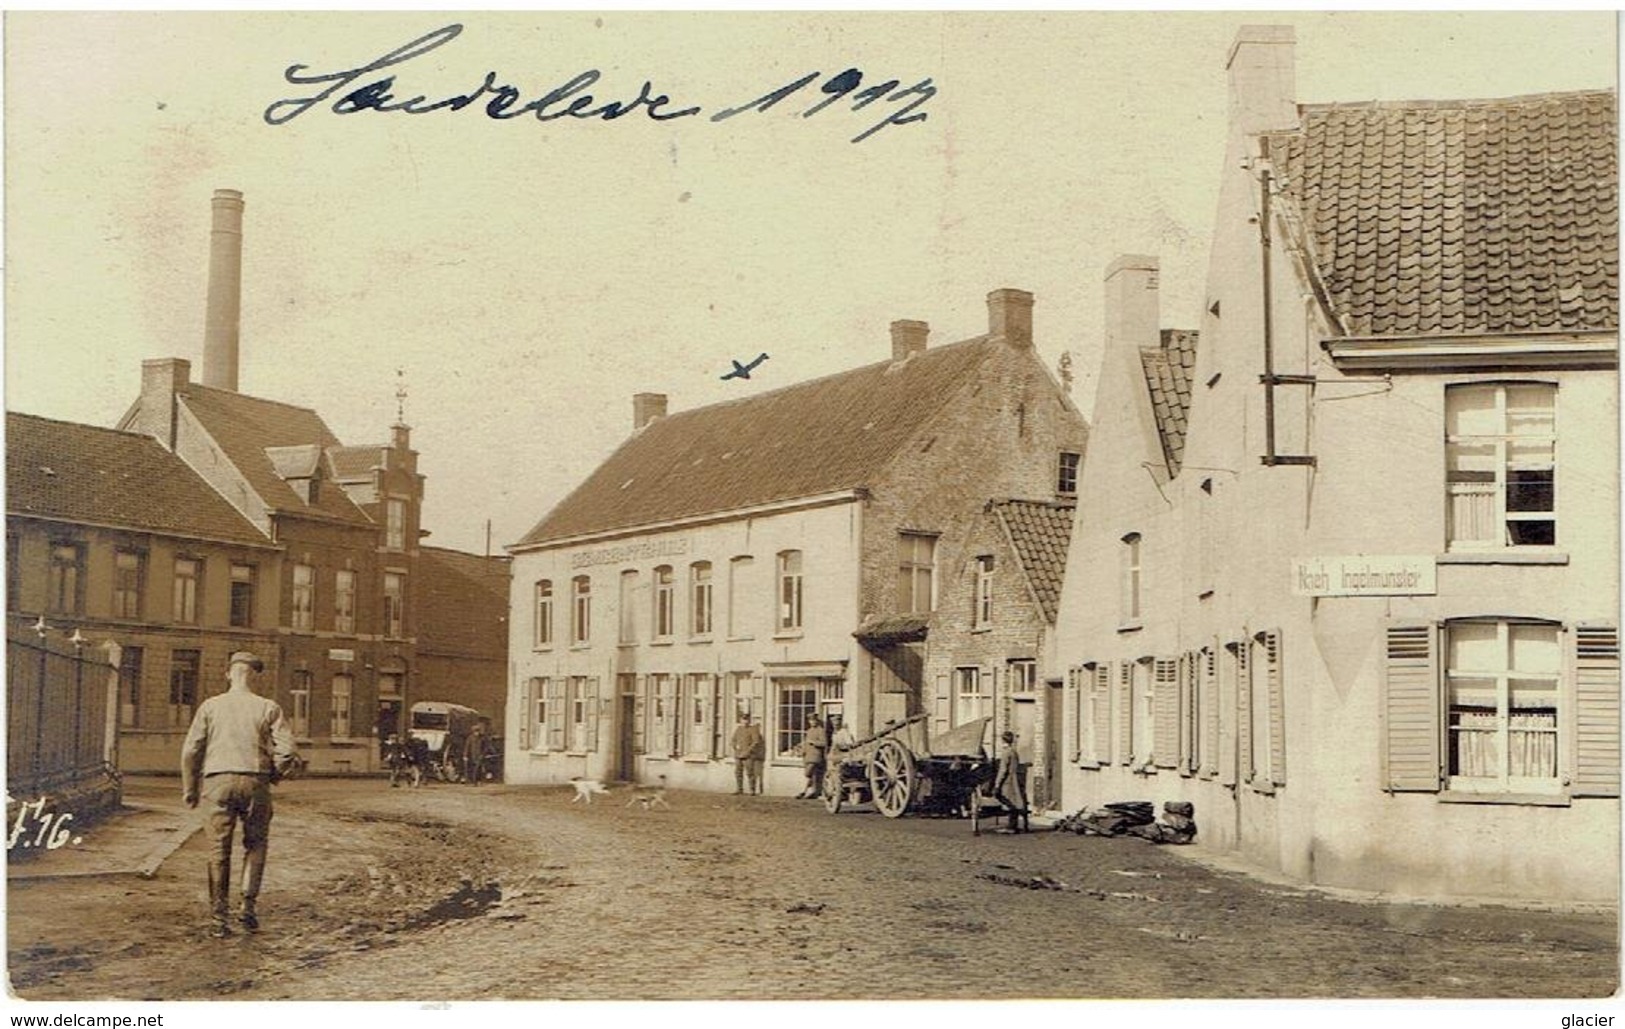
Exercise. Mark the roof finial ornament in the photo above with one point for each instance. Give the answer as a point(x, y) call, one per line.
point(400, 396)
point(1065, 368)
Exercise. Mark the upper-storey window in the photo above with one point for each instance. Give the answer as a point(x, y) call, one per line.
point(394, 605)
point(1129, 571)
point(739, 607)
point(665, 614)
point(916, 572)
point(544, 613)
point(188, 573)
point(304, 597)
point(242, 596)
point(581, 609)
point(699, 598)
point(628, 608)
point(983, 601)
point(344, 601)
point(67, 581)
point(395, 524)
point(789, 590)
point(128, 566)
point(1501, 465)
point(1066, 478)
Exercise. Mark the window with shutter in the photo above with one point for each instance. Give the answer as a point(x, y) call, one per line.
point(1125, 711)
point(593, 704)
point(941, 706)
point(524, 713)
point(1244, 712)
point(640, 716)
point(1190, 721)
point(1101, 714)
point(1596, 700)
point(555, 713)
point(1410, 709)
point(1275, 685)
point(1210, 711)
point(1075, 726)
point(1165, 708)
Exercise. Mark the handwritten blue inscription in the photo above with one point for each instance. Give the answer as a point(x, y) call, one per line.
point(369, 88)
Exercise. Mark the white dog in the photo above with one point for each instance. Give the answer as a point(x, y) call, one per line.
point(585, 788)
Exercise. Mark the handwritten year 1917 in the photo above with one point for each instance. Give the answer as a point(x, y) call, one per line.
point(363, 88)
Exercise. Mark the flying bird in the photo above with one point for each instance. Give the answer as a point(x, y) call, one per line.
point(742, 371)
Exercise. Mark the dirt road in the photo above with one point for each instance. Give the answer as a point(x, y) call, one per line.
point(458, 893)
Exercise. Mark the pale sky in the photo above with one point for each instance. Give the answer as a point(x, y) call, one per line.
point(529, 278)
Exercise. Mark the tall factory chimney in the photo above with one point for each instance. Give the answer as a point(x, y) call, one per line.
point(223, 317)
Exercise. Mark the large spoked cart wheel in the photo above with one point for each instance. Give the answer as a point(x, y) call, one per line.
point(892, 778)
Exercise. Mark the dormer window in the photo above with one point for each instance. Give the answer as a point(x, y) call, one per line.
point(395, 524)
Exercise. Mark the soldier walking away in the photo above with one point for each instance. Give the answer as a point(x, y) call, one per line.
point(238, 745)
point(750, 749)
point(474, 755)
point(813, 746)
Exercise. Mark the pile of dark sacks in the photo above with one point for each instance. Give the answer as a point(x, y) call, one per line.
point(1135, 818)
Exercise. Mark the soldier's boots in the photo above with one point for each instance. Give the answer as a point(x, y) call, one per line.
point(250, 921)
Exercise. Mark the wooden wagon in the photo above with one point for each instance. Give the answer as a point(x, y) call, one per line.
point(903, 768)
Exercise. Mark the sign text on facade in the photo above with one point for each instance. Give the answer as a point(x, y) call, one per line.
point(629, 552)
point(1364, 575)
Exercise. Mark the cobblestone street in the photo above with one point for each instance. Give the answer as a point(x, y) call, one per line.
point(502, 892)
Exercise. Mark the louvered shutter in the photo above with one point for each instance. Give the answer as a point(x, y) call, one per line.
point(1100, 699)
point(1125, 712)
point(1410, 708)
point(1210, 714)
point(708, 712)
point(592, 705)
point(524, 714)
point(940, 706)
point(1165, 719)
point(1074, 725)
point(1183, 759)
point(640, 716)
point(1277, 701)
point(1244, 713)
point(555, 713)
point(1596, 704)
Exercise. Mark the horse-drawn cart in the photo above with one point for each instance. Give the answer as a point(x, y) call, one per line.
point(902, 768)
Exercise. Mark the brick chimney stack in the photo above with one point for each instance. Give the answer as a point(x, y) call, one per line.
point(1132, 314)
point(1263, 79)
point(223, 317)
point(1010, 316)
point(161, 379)
point(908, 338)
point(646, 407)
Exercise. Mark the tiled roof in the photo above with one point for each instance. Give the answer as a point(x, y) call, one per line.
point(1040, 531)
point(356, 462)
point(246, 427)
point(463, 602)
point(84, 473)
point(1460, 217)
point(1168, 378)
point(816, 437)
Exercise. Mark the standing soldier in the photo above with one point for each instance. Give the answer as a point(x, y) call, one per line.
point(813, 746)
point(474, 754)
point(749, 750)
point(238, 745)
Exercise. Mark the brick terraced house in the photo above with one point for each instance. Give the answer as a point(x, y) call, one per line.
point(212, 521)
point(755, 556)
